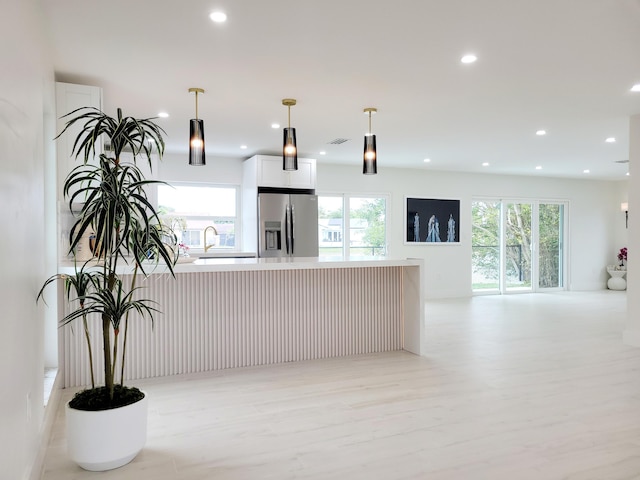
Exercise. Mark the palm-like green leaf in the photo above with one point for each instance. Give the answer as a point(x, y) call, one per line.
point(112, 304)
point(138, 135)
point(115, 196)
point(77, 285)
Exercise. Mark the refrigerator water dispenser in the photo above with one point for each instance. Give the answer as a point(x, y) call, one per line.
point(272, 234)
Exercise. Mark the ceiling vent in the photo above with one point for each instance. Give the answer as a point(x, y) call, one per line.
point(338, 141)
point(622, 161)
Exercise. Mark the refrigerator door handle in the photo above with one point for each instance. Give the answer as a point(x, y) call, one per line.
point(292, 222)
point(287, 228)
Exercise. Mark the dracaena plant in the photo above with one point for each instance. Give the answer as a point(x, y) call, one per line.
point(127, 229)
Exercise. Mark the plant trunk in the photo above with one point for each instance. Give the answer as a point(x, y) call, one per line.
point(115, 356)
point(124, 348)
point(106, 345)
point(86, 334)
point(106, 340)
point(126, 328)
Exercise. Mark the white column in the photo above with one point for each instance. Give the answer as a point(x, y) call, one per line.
point(631, 334)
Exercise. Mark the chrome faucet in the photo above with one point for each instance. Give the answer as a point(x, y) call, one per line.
point(215, 232)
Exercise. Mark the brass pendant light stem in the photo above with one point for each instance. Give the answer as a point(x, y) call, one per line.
point(369, 111)
point(196, 91)
point(289, 102)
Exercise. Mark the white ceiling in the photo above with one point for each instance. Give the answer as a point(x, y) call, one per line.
point(565, 66)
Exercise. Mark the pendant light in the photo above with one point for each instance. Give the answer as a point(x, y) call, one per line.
point(289, 148)
point(196, 137)
point(369, 164)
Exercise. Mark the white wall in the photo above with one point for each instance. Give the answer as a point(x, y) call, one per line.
point(176, 168)
point(26, 101)
point(632, 330)
point(596, 228)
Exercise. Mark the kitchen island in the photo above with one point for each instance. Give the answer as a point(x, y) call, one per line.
point(234, 312)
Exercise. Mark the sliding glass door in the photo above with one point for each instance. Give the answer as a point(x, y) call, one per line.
point(517, 246)
point(485, 246)
point(551, 245)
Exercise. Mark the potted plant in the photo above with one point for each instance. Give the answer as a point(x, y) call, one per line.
point(126, 231)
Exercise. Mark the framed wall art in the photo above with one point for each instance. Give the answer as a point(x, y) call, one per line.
point(431, 221)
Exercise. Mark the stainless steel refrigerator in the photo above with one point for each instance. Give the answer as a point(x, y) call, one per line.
point(287, 224)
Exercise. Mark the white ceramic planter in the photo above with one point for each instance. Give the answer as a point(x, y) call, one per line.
point(107, 439)
point(617, 281)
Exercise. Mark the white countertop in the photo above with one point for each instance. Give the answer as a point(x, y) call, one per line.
point(292, 263)
point(253, 264)
point(224, 254)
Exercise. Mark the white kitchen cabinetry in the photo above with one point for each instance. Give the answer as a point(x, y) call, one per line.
point(70, 97)
point(267, 171)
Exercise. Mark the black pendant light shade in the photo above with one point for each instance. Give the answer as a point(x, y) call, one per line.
point(196, 135)
point(196, 142)
point(289, 145)
point(369, 164)
point(370, 157)
point(289, 150)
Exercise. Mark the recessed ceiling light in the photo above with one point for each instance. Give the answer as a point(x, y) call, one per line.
point(539, 167)
point(163, 114)
point(323, 153)
point(636, 88)
point(610, 140)
point(627, 174)
point(218, 17)
point(485, 164)
point(469, 58)
point(426, 160)
point(243, 147)
point(586, 171)
point(275, 125)
point(541, 132)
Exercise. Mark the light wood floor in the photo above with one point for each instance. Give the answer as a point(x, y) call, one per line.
point(516, 387)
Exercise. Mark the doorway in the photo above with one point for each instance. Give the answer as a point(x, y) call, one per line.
point(518, 245)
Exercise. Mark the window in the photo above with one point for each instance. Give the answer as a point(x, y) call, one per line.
point(190, 209)
point(365, 220)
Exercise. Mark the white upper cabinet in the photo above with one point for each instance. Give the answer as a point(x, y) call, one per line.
point(269, 173)
point(70, 97)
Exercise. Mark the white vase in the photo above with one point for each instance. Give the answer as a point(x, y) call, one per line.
point(617, 281)
point(106, 439)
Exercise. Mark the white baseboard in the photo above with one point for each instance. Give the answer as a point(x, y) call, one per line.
point(47, 426)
